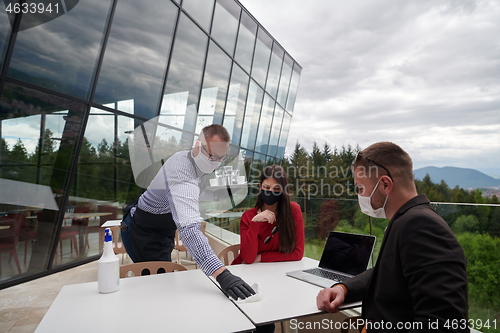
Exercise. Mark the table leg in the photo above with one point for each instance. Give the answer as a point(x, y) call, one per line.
point(81, 239)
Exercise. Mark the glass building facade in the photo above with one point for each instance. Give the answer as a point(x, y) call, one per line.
point(73, 89)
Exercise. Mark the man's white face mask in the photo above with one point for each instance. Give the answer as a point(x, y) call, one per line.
point(207, 161)
point(205, 164)
point(367, 208)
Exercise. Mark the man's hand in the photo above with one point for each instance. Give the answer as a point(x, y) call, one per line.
point(329, 299)
point(234, 286)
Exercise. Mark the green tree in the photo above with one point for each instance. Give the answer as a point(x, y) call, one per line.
point(466, 223)
point(18, 154)
point(483, 212)
point(327, 152)
point(483, 269)
point(317, 156)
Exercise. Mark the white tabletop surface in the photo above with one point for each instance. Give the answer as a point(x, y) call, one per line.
point(283, 297)
point(184, 301)
point(226, 214)
point(111, 223)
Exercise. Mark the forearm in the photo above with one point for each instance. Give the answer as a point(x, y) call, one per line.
point(197, 245)
point(357, 285)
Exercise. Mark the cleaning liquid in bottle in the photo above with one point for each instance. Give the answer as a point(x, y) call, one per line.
point(108, 267)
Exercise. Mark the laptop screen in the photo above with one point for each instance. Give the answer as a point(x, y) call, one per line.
point(347, 253)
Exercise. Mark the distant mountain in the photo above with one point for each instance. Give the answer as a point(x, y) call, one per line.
point(464, 178)
point(493, 172)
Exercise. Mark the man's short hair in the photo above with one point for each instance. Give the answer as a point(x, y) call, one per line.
point(389, 156)
point(215, 129)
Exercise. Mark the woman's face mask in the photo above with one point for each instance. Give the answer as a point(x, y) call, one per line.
point(270, 197)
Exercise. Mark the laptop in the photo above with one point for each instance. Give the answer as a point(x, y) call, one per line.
point(345, 255)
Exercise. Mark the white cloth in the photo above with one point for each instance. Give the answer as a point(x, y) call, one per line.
point(253, 298)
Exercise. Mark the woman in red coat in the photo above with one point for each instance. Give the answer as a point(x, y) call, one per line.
point(274, 229)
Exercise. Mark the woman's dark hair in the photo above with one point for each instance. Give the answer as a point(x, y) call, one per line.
point(286, 223)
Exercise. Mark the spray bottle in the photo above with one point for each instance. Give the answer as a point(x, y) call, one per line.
point(108, 266)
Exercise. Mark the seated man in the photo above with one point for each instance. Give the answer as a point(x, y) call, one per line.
point(419, 282)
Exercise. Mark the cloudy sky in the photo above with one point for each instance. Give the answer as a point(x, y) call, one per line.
point(424, 74)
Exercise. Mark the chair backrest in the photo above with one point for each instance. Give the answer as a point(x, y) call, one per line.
point(225, 254)
point(82, 221)
point(107, 209)
point(149, 268)
point(10, 236)
point(118, 246)
point(82, 209)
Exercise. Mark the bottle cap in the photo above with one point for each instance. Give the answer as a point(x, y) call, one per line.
point(107, 235)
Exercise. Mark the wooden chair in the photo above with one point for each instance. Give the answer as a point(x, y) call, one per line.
point(67, 233)
point(9, 237)
point(224, 254)
point(118, 246)
point(28, 234)
point(149, 268)
point(181, 248)
point(97, 228)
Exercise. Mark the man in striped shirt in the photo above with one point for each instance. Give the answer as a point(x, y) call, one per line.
point(172, 202)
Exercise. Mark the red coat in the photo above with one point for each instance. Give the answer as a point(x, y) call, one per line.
point(253, 234)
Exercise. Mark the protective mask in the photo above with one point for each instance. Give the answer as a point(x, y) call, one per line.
point(269, 197)
point(205, 164)
point(367, 208)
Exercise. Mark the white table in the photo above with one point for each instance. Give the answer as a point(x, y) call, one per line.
point(111, 223)
point(231, 215)
point(184, 301)
point(283, 297)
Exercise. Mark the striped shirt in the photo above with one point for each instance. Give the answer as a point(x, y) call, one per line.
point(176, 189)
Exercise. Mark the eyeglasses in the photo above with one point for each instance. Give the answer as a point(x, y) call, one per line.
point(275, 230)
point(372, 161)
point(214, 157)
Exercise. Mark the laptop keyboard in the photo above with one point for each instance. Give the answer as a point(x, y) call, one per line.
point(326, 274)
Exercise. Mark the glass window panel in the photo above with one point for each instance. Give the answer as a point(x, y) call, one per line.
point(62, 54)
point(286, 73)
point(39, 134)
point(246, 41)
point(273, 77)
point(285, 129)
point(136, 55)
point(252, 115)
point(173, 109)
point(201, 11)
point(103, 182)
point(235, 106)
point(5, 30)
point(225, 26)
point(275, 131)
point(247, 158)
point(266, 118)
point(261, 58)
point(214, 92)
point(294, 85)
point(258, 164)
point(185, 72)
point(270, 160)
